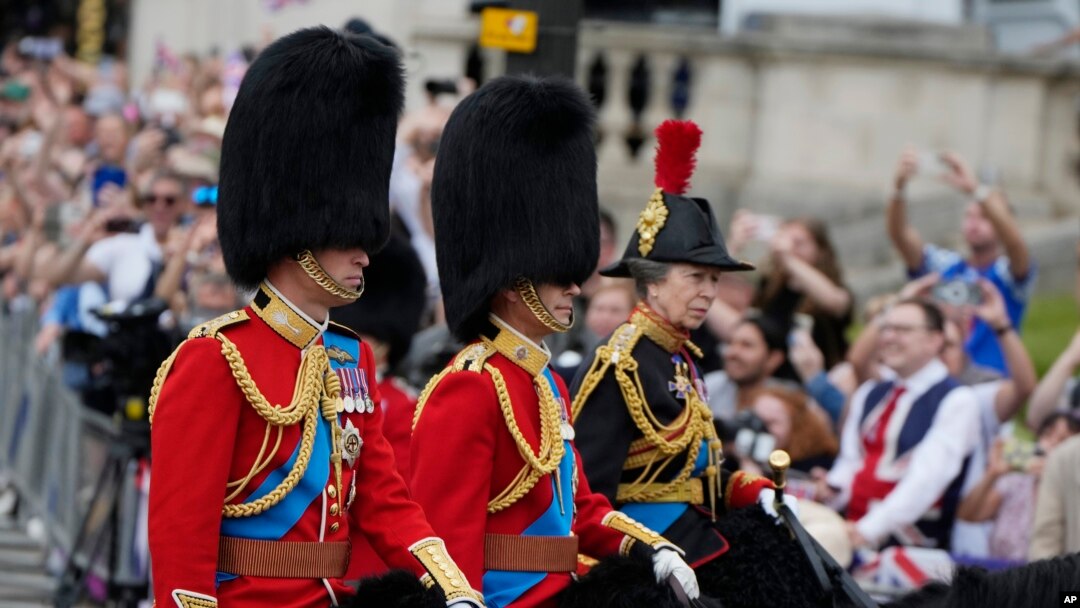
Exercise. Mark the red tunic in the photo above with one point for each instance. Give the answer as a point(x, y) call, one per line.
point(206, 434)
point(398, 405)
point(463, 455)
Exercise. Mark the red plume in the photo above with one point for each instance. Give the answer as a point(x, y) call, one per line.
point(676, 143)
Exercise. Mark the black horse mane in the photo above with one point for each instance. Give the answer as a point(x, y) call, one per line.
point(1040, 583)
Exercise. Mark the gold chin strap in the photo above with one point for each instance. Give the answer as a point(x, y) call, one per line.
point(314, 270)
point(528, 295)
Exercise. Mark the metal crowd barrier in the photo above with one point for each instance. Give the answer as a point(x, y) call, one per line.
point(52, 449)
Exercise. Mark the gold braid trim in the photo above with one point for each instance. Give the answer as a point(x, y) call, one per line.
point(527, 291)
point(309, 387)
point(316, 391)
point(546, 459)
point(190, 599)
point(635, 531)
point(159, 381)
point(443, 571)
point(551, 450)
point(688, 430)
point(314, 270)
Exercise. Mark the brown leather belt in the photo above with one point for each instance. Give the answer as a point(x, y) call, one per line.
point(530, 553)
point(280, 559)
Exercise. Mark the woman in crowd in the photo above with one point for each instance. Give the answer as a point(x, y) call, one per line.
point(802, 275)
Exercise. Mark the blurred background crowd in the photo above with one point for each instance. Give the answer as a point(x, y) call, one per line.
point(108, 172)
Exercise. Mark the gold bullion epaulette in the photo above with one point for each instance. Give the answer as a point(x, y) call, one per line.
point(473, 357)
point(211, 328)
point(617, 353)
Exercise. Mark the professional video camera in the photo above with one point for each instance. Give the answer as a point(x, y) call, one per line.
point(125, 362)
point(132, 350)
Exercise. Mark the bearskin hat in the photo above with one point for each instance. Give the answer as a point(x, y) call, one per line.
point(514, 194)
point(674, 227)
point(307, 151)
point(393, 300)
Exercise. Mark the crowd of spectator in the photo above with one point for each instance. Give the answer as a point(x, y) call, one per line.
point(912, 431)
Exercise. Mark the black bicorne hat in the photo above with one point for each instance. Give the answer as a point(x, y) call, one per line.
point(307, 151)
point(674, 227)
point(514, 194)
point(393, 302)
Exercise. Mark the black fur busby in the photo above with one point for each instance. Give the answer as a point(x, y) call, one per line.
point(393, 300)
point(306, 156)
point(514, 194)
point(619, 582)
point(395, 589)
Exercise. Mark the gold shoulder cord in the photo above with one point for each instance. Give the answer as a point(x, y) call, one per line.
point(546, 460)
point(693, 426)
point(317, 390)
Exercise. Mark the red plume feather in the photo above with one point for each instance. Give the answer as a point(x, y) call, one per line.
point(677, 141)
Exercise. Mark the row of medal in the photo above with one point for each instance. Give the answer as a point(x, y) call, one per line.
point(355, 393)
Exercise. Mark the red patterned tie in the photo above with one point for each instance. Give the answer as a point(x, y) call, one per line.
point(877, 433)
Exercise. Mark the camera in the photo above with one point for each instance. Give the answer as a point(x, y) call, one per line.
point(435, 86)
point(132, 350)
point(41, 49)
point(957, 292)
point(121, 224)
point(748, 435)
point(1019, 454)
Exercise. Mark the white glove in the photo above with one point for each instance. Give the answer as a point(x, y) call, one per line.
point(767, 497)
point(667, 562)
point(463, 603)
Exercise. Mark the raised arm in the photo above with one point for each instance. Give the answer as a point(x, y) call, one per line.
point(904, 237)
point(1047, 394)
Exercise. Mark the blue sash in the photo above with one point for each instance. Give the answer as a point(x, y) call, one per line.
point(502, 588)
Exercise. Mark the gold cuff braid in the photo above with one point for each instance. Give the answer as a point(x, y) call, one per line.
point(431, 553)
point(528, 294)
point(190, 599)
point(314, 270)
point(635, 532)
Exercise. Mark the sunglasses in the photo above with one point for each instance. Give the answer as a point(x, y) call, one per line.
point(168, 199)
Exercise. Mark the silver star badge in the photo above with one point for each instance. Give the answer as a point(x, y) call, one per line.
point(351, 442)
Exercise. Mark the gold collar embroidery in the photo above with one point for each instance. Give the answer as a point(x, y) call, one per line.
point(521, 351)
point(657, 329)
point(284, 318)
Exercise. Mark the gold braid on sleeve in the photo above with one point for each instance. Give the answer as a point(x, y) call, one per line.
point(442, 571)
point(635, 531)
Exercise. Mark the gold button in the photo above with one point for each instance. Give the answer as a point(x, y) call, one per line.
point(334, 509)
point(455, 583)
point(331, 491)
point(432, 550)
point(335, 526)
point(233, 315)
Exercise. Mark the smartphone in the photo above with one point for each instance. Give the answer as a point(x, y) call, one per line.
point(42, 49)
point(803, 321)
point(931, 165)
point(121, 224)
point(767, 226)
point(957, 292)
point(106, 174)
